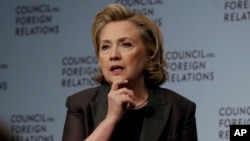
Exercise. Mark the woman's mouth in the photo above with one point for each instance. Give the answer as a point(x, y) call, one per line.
point(116, 69)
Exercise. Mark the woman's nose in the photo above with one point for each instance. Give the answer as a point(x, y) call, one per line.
point(115, 54)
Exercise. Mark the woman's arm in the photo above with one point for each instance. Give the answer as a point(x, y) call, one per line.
point(189, 132)
point(103, 132)
point(73, 127)
point(118, 99)
point(77, 128)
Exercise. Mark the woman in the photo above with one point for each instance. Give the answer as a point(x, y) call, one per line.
point(129, 105)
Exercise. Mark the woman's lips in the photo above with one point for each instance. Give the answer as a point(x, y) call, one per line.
point(116, 69)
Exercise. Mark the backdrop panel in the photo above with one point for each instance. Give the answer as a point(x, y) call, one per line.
point(46, 54)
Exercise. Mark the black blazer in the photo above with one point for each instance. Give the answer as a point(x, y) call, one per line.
point(169, 116)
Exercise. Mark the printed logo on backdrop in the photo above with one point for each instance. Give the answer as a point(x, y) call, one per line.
point(145, 7)
point(3, 83)
point(236, 10)
point(231, 115)
point(36, 19)
point(189, 66)
point(78, 70)
point(31, 127)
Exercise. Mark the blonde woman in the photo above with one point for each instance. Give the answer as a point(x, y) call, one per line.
point(129, 104)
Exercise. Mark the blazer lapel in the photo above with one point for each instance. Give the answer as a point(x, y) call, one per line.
point(156, 117)
point(99, 106)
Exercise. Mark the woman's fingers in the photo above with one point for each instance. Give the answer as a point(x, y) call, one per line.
point(124, 99)
point(118, 88)
point(117, 84)
point(120, 98)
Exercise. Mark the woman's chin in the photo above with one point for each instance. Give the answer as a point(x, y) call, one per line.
point(117, 78)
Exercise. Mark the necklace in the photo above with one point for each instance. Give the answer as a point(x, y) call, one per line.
point(141, 104)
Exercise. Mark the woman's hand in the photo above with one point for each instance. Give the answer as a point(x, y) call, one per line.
point(119, 99)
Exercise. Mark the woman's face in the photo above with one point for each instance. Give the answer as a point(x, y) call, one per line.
point(122, 54)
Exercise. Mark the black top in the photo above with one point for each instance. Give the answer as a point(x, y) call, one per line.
point(129, 128)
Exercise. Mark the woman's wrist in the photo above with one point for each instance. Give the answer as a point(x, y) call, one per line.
point(109, 121)
point(103, 131)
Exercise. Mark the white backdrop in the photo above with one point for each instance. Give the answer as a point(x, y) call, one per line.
point(43, 42)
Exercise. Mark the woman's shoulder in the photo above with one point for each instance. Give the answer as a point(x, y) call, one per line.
point(175, 98)
point(84, 96)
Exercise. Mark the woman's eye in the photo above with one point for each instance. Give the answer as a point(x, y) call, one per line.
point(126, 44)
point(104, 47)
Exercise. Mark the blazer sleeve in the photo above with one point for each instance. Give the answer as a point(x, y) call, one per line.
point(79, 121)
point(73, 127)
point(182, 121)
point(189, 130)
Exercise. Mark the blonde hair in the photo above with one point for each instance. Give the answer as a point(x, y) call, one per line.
point(154, 70)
